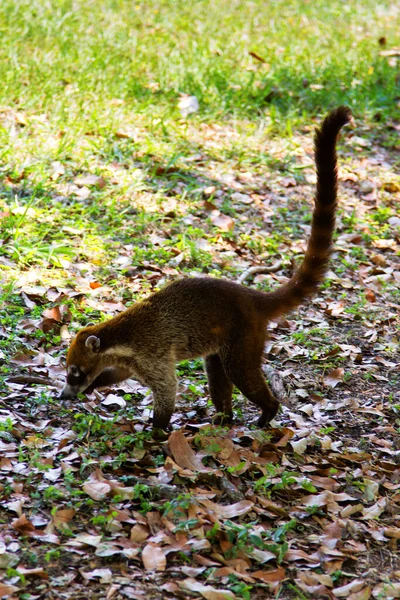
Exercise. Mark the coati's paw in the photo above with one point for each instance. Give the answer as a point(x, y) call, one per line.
point(268, 413)
point(160, 435)
point(223, 419)
point(161, 422)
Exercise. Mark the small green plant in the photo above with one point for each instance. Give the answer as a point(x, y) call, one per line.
point(53, 555)
point(239, 588)
point(52, 493)
point(178, 506)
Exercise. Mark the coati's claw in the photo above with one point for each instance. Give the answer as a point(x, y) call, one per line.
point(268, 414)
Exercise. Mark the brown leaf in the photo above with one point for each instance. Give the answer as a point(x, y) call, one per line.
point(153, 558)
point(62, 517)
point(363, 594)
point(85, 539)
point(183, 454)
point(294, 555)
point(288, 182)
point(228, 511)
point(345, 590)
point(392, 52)
point(370, 296)
point(334, 377)
point(47, 325)
point(270, 576)
point(207, 591)
point(23, 525)
point(384, 243)
point(139, 533)
point(242, 198)
point(392, 187)
point(38, 572)
point(332, 535)
point(105, 575)
point(392, 532)
point(261, 556)
point(53, 313)
point(7, 590)
point(97, 490)
point(374, 511)
point(223, 222)
point(90, 180)
point(387, 590)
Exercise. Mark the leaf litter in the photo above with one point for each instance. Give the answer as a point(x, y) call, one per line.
point(308, 507)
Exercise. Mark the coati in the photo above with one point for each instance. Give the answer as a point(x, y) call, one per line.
point(222, 321)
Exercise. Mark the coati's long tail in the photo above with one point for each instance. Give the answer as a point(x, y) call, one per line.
point(306, 280)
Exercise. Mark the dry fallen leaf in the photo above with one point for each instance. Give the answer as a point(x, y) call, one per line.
point(85, 538)
point(97, 490)
point(270, 576)
point(7, 590)
point(90, 180)
point(370, 296)
point(62, 517)
point(223, 222)
point(228, 511)
point(105, 575)
point(299, 446)
point(334, 377)
point(207, 591)
point(345, 590)
point(153, 558)
point(23, 525)
point(183, 453)
point(113, 399)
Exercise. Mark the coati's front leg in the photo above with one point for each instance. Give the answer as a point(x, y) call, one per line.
point(109, 376)
point(163, 386)
point(220, 387)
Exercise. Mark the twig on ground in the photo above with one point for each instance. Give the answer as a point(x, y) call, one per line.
point(30, 379)
point(259, 269)
point(159, 491)
point(276, 383)
point(229, 490)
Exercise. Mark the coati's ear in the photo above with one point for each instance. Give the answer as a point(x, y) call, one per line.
point(90, 324)
point(93, 343)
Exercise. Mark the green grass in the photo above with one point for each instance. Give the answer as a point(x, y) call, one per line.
point(77, 74)
point(74, 74)
point(70, 59)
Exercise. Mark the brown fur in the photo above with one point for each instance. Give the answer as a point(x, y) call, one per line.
point(214, 318)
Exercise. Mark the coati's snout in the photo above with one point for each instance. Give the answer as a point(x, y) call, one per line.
point(68, 391)
point(82, 366)
point(77, 381)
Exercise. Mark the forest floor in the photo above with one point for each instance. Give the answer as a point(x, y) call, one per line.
point(108, 191)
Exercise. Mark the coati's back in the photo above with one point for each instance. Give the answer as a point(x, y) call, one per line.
point(202, 314)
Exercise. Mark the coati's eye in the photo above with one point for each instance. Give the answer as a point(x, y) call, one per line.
point(75, 375)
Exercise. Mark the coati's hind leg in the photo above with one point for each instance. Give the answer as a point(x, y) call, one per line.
point(163, 385)
point(220, 387)
point(242, 364)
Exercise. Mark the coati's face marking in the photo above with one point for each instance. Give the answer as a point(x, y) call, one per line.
point(84, 364)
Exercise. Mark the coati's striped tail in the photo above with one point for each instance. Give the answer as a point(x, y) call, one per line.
point(305, 281)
